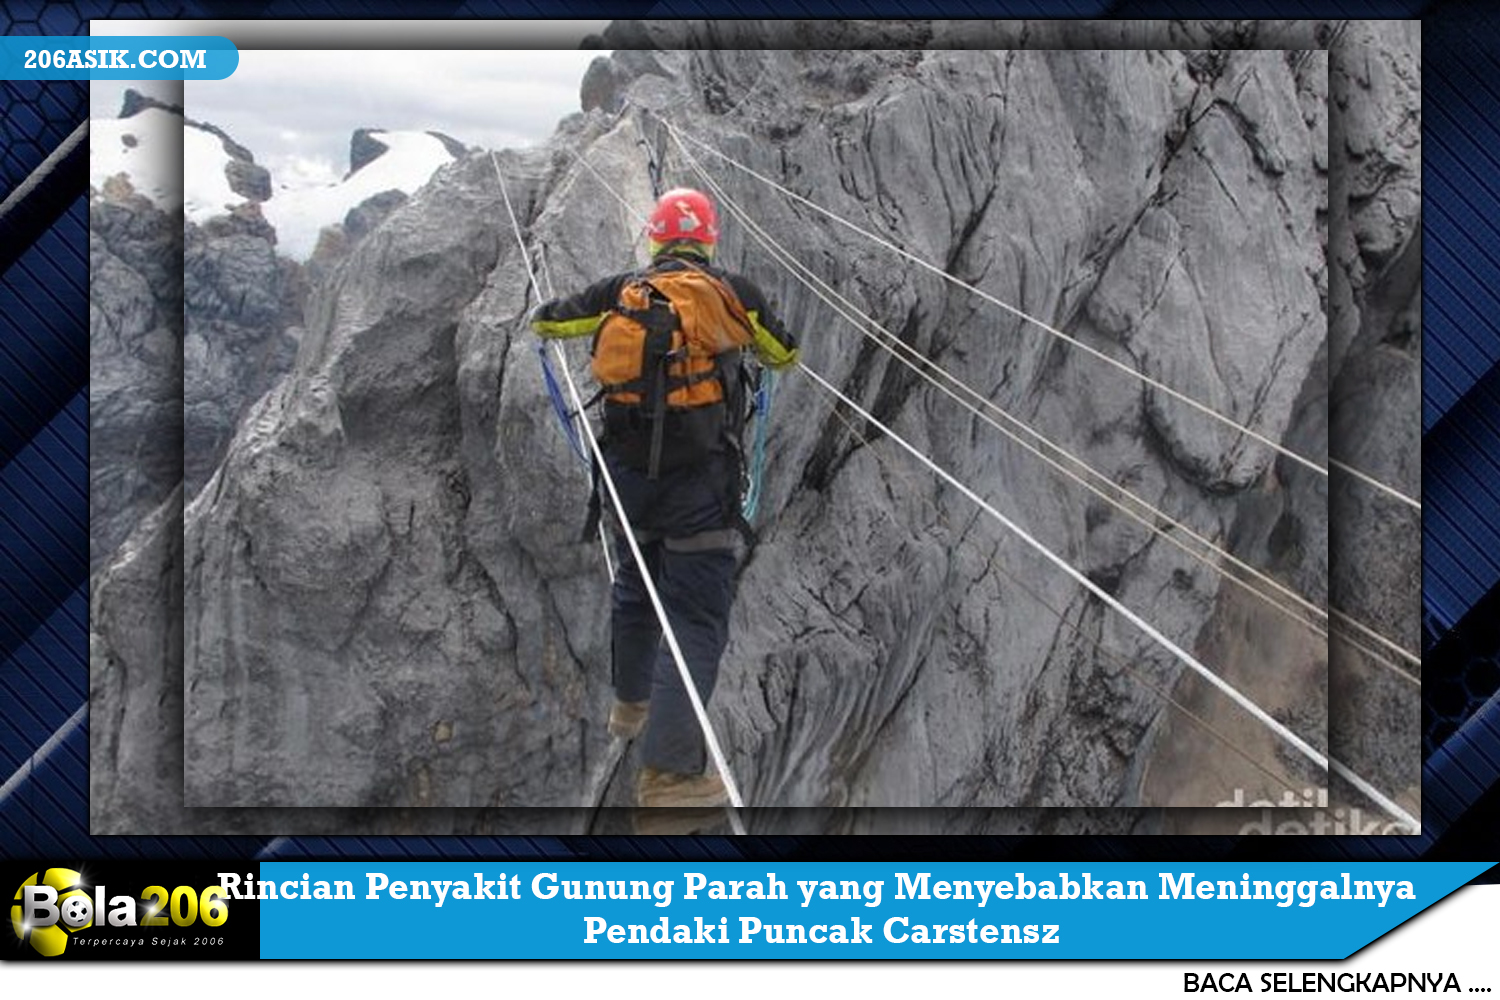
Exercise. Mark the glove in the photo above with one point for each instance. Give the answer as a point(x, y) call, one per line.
point(790, 361)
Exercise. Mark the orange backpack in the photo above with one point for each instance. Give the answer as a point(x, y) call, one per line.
point(658, 347)
point(667, 361)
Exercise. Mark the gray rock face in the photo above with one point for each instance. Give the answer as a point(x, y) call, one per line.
point(1374, 404)
point(335, 242)
point(136, 700)
point(136, 760)
point(240, 302)
point(135, 102)
point(246, 302)
point(385, 602)
point(133, 602)
point(600, 88)
point(370, 213)
point(135, 365)
point(364, 148)
point(239, 307)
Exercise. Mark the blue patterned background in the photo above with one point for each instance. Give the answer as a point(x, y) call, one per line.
point(44, 449)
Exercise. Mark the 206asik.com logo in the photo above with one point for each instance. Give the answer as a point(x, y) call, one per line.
point(53, 905)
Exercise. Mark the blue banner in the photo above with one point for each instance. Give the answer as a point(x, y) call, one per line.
point(692, 910)
point(117, 57)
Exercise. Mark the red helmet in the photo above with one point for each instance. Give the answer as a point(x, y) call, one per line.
point(684, 214)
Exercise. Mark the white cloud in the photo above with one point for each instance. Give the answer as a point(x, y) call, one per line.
point(482, 98)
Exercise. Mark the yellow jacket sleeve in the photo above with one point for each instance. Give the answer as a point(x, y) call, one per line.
point(580, 326)
point(768, 347)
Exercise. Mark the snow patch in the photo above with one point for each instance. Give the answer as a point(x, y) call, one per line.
point(147, 148)
point(299, 215)
point(205, 185)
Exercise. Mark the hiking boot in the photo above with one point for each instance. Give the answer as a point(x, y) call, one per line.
point(668, 790)
point(627, 719)
point(674, 804)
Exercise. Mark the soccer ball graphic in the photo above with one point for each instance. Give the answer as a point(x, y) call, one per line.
point(75, 907)
point(77, 911)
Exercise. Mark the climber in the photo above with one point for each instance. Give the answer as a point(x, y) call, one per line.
point(667, 352)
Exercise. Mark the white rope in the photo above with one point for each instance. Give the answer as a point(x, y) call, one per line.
point(899, 349)
point(531, 276)
point(1401, 651)
point(581, 425)
point(896, 347)
point(666, 626)
point(755, 230)
point(1187, 658)
point(1354, 779)
point(1245, 703)
point(1019, 314)
point(712, 742)
point(868, 327)
point(1369, 480)
point(40, 755)
point(642, 217)
point(890, 470)
point(34, 180)
point(1151, 631)
point(1413, 825)
point(1320, 760)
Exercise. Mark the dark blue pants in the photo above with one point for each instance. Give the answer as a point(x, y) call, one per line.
point(675, 518)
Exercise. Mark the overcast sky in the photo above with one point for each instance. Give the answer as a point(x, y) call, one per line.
point(295, 110)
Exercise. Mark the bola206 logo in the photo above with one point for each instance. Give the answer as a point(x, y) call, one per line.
point(55, 904)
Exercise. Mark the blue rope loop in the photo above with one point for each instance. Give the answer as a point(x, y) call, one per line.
point(559, 406)
point(762, 415)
